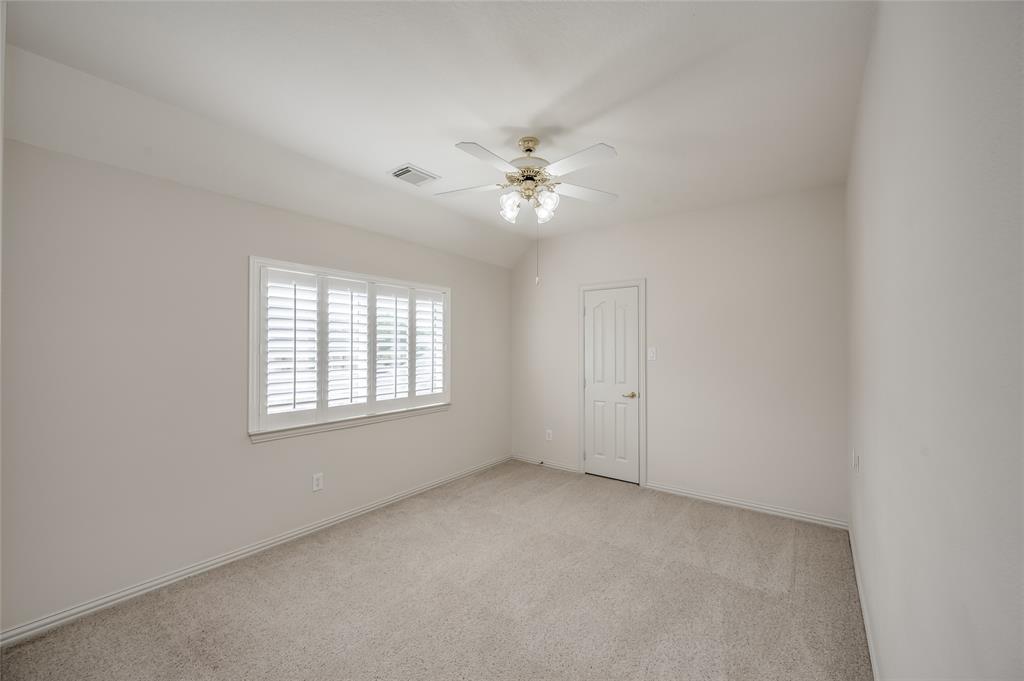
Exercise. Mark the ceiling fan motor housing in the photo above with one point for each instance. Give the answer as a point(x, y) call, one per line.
point(531, 176)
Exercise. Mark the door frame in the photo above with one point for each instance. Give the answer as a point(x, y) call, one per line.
point(641, 285)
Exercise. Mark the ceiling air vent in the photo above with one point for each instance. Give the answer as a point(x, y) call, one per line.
point(413, 175)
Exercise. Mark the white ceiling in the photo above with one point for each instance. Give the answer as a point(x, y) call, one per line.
point(706, 103)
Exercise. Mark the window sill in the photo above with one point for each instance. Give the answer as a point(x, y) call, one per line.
point(353, 422)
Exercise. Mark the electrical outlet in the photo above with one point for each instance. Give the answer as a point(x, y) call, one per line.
point(548, 435)
point(652, 354)
point(318, 482)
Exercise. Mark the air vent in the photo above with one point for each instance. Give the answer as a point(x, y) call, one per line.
point(413, 175)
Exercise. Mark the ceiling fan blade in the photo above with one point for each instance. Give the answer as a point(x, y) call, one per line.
point(598, 152)
point(584, 193)
point(489, 157)
point(469, 190)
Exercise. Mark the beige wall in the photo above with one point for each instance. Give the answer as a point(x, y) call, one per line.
point(935, 258)
point(125, 452)
point(746, 307)
point(3, 71)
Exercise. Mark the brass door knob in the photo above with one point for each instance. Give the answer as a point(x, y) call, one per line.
point(631, 395)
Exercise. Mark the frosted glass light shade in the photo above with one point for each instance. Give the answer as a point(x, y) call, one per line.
point(509, 206)
point(543, 214)
point(548, 199)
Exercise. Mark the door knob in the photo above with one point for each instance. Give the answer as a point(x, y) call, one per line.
point(631, 395)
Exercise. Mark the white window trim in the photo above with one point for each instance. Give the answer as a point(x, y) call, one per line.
point(376, 411)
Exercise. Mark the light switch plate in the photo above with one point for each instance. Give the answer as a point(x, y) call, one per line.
point(318, 482)
point(652, 354)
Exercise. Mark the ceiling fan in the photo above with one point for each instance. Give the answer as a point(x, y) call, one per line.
point(534, 180)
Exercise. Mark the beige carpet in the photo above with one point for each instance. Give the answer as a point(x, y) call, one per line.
point(518, 572)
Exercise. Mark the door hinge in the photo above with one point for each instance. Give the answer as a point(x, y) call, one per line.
point(584, 455)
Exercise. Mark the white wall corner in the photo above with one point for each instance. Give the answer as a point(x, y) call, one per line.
point(862, 597)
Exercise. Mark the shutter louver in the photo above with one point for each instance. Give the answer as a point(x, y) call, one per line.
point(347, 342)
point(291, 327)
point(392, 341)
point(429, 342)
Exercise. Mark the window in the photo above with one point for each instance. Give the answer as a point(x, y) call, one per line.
point(337, 348)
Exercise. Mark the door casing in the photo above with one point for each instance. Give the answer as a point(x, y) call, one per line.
point(641, 285)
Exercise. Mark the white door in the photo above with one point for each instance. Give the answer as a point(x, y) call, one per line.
point(611, 400)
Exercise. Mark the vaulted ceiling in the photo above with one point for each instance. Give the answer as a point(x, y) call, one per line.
point(706, 103)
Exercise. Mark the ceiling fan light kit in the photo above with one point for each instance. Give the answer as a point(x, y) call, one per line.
point(532, 179)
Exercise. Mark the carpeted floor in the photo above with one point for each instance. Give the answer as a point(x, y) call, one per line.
point(518, 572)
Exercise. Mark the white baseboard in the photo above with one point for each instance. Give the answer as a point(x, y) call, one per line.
point(751, 505)
point(42, 624)
point(547, 464)
point(863, 606)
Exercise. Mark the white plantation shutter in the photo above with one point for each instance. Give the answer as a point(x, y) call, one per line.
point(392, 341)
point(291, 342)
point(330, 346)
point(430, 350)
point(347, 342)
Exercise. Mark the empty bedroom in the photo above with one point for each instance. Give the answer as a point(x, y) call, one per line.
point(526, 341)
